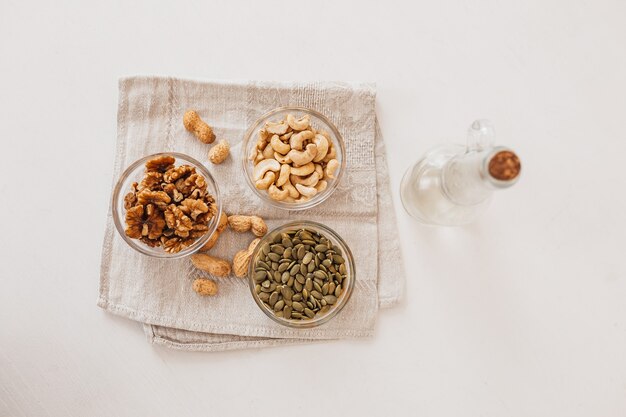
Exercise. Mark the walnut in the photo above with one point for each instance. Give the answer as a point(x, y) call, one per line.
point(169, 207)
point(198, 230)
point(175, 244)
point(151, 181)
point(193, 182)
point(160, 163)
point(150, 242)
point(193, 207)
point(174, 194)
point(129, 200)
point(175, 173)
point(148, 222)
point(176, 219)
point(159, 198)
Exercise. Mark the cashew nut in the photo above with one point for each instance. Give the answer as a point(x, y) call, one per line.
point(319, 170)
point(268, 152)
point(321, 186)
point(322, 147)
point(296, 141)
point(331, 166)
point(283, 159)
point(276, 128)
point(293, 193)
point(332, 154)
point(279, 146)
point(283, 177)
point(266, 181)
point(262, 167)
point(286, 136)
point(259, 158)
point(306, 191)
point(309, 181)
point(253, 153)
point(276, 193)
point(299, 124)
point(304, 170)
point(325, 134)
point(300, 158)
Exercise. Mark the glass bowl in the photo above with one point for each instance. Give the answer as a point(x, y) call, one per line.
point(347, 283)
point(134, 173)
point(319, 122)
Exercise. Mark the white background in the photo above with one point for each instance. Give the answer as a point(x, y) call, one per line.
point(520, 314)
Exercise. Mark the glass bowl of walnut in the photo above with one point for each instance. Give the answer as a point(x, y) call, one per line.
point(293, 157)
point(166, 205)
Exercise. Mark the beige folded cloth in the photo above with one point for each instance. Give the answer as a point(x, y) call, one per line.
point(158, 292)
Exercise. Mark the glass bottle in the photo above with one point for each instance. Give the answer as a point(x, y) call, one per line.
point(452, 184)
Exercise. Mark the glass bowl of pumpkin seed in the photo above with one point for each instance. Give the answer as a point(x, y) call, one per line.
point(301, 274)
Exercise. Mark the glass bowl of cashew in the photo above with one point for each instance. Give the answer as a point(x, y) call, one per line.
point(293, 157)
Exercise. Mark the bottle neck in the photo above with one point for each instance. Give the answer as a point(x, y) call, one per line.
point(471, 178)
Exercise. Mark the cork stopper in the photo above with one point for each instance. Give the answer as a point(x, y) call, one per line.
point(504, 166)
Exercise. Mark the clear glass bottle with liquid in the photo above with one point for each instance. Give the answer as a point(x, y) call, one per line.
point(452, 184)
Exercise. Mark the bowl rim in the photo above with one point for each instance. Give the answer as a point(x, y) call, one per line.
point(144, 249)
point(316, 200)
point(345, 297)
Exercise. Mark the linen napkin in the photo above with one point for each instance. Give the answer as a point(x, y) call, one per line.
point(157, 292)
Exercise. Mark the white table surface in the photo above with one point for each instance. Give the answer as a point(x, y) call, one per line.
point(520, 314)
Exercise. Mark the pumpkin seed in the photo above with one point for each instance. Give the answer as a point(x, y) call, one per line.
point(307, 258)
point(299, 275)
point(274, 257)
point(274, 298)
point(338, 259)
point(260, 276)
point(321, 248)
point(320, 274)
point(330, 299)
point(279, 249)
point(325, 288)
point(287, 293)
